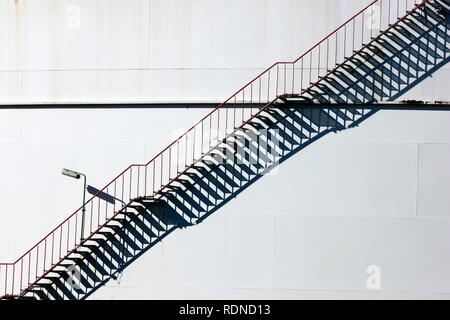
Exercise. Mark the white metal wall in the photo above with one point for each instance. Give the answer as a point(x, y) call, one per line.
point(373, 195)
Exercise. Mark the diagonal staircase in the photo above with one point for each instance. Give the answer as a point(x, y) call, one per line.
point(377, 55)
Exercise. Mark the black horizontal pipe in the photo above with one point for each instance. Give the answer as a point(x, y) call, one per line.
point(403, 105)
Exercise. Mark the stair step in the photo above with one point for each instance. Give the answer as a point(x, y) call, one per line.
point(394, 79)
point(207, 168)
point(395, 65)
point(182, 193)
point(341, 114)
point(163, 211)
point(83, 280)
point(422, 53)
point(122, 236)
point(263, 147)
point(147, 216)
point(424, 48)
point(225, 153)
point(114, 249)
point(333, 97)
point(242, 166)
point(199, 180)
point(40, 293)
point(361, 86)
point(343, 91)
point(110, 251)
point(426, 30)
point(120, 244)
point(123, 233)
point(320, 118)
point(284, 136)
point(238, 144)
point(93, 261)
point(368, 73)
point(225, 167)
point(407, 49)
point(295, 117)
point(63, 288)
point(97, 251)
point(51, 291)
point(297, 132)
point(256, 125)
point(317, 96)
point(344, 78)
point(192, 187)
point(281, 131)
point(141, 224)
point(172, 198)
point(438, 12)
point(86, 269)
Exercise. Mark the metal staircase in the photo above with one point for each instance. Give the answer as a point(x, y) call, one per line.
point(377, 55)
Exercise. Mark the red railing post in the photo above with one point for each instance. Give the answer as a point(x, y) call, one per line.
point(21, 274)
point(29, 267)
point(6, 279)
point(13, 276)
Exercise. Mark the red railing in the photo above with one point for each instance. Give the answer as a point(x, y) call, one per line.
point(147, 179)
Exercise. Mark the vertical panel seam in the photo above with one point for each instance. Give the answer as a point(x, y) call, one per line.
point(273, 250)
point(417, 180)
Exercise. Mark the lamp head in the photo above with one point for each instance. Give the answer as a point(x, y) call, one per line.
point(71, 173)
